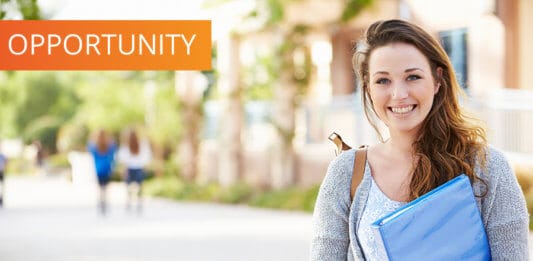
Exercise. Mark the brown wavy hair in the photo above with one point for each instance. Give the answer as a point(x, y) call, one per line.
point(449, 142)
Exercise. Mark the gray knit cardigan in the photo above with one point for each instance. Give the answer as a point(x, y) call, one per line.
point(336, 218)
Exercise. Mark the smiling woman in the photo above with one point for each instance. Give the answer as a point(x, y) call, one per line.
point(408, 82)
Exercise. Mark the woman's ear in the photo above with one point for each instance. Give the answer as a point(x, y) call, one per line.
point(438, 79)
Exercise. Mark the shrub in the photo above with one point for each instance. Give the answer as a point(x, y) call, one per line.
point(58, 160)
point(237, 193)
point(19, 165)
point(72, 136)
point(291, 199)
point(45, 130)
point(524, 175)
point(171, 186)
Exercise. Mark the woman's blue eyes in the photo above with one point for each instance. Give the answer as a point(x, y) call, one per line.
point(382, 81)
point(412, 77)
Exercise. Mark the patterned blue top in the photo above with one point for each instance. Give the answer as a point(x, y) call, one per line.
point(378, 205)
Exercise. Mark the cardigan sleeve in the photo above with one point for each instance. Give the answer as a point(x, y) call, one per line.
point(330, 217)
point(505, 211)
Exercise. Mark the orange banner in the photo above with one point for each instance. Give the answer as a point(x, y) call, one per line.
point(105, 45)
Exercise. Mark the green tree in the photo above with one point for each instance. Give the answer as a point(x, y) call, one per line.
point(34, 106)
point(40, 94)
point(26, 9)
point(352, 8)
point(110, 100)
point(165, 130)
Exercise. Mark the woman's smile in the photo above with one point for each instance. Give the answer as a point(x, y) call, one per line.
point(402, 110)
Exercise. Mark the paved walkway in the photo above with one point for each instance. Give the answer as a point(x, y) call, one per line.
point(49, 218)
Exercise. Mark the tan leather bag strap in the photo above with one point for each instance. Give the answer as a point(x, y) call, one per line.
point(359, 164)
point(358, 169)
point(339, 143)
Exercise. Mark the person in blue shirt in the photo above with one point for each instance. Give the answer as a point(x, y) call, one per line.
point(103, 152)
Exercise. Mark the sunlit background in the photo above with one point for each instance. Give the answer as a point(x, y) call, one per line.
point(252, 131)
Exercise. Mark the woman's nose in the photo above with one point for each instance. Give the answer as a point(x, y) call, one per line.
point(399, 91)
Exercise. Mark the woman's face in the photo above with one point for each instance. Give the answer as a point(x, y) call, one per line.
point(401, 86)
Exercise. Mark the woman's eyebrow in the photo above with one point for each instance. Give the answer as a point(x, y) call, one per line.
point(380, 72)
point(413, 69)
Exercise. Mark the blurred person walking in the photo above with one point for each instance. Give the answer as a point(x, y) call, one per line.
point(39, 157)
point(103, 150)
point(135, 156)
point(3, 164)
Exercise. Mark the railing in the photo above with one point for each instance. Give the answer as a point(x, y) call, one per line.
point(509, 118)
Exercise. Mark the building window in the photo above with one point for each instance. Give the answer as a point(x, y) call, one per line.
point(455, 45)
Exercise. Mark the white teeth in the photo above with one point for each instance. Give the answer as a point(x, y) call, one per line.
point(402, 109)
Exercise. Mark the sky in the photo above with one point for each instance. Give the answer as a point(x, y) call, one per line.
point(223, 18)
point(123, 9)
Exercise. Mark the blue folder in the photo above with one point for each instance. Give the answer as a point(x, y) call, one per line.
point(443, 224)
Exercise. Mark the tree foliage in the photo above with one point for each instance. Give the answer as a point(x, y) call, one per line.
point(353, 8)
point(110, 101)
point(34, 105)
point(20, 9)
point(42, 105)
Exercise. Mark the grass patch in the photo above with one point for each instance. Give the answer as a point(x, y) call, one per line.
point(59, 160)
point(290, 199)
point(172, 187)
point(20, 166)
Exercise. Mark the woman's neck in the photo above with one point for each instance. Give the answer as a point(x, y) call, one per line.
point(401, 145)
